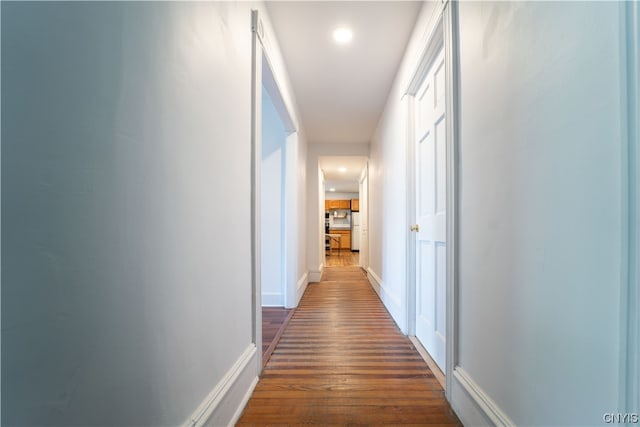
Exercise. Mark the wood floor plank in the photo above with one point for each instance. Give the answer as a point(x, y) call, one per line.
point(342, 259)
point(341, 360)
point(274, 320)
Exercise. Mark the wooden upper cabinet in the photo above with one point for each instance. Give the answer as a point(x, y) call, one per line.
point(334, 204)
point(355, 205)
point(337, 204)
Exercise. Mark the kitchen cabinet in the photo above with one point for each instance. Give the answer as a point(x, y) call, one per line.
point(345, 239)
point(337, 204)
point(334, 204)
point(355, 205)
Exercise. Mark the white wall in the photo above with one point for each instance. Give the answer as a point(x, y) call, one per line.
point(388, 227)
point(315, 190)
point(294, 216)
point(334, 195)
point(541, 207)
point(274, 175)
point(300, 184)
point(126, 291)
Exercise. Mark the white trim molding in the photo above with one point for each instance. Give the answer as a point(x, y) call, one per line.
point(301, 286)
point(390, 301)
point(225, 403)
point(452, 82)
point(431, 42)
point(480, 409)
point(316, 275)
point(256, 182)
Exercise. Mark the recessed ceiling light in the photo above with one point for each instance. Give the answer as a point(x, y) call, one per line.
point(342, 35)
point(342, 169)
point(332, 189)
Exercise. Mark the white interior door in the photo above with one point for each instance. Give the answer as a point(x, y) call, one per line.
point(431, 260)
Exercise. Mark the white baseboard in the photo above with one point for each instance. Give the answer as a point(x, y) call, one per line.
point(272, 299)
point(391, 301)
point(316, 275)
point(301, 287)
point(243, 402)
point(225, 403)
point(472, 405)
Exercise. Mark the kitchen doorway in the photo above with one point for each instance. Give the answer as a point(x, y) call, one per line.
point(342, 218)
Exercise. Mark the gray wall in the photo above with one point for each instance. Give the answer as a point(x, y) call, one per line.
point(126, 288)
point(541, 208)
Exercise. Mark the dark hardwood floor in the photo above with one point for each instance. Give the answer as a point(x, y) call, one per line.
point(274, 320)
point(342, 361)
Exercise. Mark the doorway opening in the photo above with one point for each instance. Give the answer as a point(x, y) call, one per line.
point(274, 198)
point(344, 213)
point(273, 229)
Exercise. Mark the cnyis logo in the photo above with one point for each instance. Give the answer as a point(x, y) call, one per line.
point(618, 418)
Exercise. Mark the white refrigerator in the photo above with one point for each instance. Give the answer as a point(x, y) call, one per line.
point(355, 231)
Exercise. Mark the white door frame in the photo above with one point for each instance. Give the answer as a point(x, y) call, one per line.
point(443, 34)
point(262, 74)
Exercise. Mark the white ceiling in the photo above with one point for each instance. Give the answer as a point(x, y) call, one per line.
point(347, 181)
point(341, 90)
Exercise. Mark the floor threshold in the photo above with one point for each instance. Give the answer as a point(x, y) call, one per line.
point(437, 372)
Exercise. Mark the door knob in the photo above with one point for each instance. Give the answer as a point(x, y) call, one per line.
point(415, 228)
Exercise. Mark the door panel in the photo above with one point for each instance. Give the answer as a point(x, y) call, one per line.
point(440, 165)
point(441, 288)
point(426, 310)
point(431, 201)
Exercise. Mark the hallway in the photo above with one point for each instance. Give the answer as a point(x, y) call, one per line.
point(498, 200)
point(343, 361)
